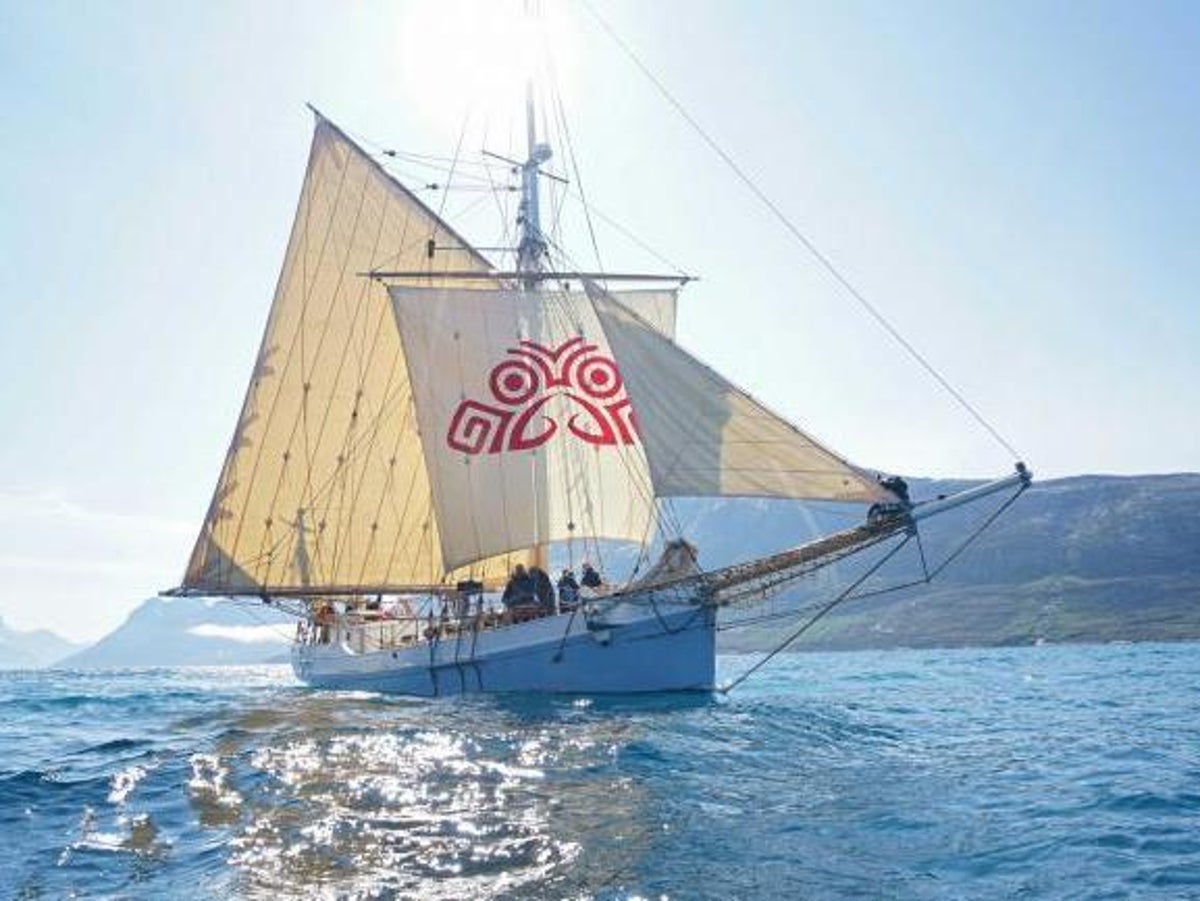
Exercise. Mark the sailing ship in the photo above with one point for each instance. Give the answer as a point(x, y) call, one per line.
point(420, 423)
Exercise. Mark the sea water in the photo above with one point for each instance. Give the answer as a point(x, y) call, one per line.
point(1050, 772)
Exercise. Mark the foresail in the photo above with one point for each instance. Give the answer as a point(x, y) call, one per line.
point(325, 482)
point(705, 437)
point(527, 429)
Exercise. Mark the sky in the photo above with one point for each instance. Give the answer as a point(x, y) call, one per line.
point(1013, 185)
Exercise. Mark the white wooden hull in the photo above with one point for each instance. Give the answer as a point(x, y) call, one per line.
point(631, 648)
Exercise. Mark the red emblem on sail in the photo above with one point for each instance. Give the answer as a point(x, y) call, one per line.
point(523, 384)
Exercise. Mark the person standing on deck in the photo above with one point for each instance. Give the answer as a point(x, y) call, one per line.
point(324, 620)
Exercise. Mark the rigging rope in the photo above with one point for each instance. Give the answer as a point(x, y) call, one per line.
point(561, 113)
point(453, 168)
point(848, 593)
point(816, 617)
point(592, 210)
point(798, 235)
point(979, 531)
point(506, 238)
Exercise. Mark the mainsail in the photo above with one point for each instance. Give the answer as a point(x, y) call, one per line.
point(324, 482)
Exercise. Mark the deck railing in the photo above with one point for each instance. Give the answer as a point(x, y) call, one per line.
point(365, 632)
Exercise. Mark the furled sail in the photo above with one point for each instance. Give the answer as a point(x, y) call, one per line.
point(528, 432)
point(703, 436)
point(324, 483)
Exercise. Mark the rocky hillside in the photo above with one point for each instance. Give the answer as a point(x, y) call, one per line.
point(1092, 558)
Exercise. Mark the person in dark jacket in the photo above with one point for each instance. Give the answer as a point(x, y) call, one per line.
point(543, 588)
point(591, 578)
point(568, 590)
point(520, 588)
point(898, 487)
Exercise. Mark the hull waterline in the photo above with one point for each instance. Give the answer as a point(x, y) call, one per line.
point(631, 649)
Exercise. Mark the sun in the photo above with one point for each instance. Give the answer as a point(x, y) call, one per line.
point(475, 57)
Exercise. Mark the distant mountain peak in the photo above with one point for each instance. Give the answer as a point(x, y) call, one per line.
point(191, 632)
point(33, 649)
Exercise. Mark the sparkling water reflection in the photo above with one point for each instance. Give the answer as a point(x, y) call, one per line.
point(1044, 773)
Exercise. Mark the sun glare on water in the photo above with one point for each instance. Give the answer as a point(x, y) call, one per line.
point(474, 58)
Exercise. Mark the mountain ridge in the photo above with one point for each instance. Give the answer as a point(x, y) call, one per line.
point(1082, 559)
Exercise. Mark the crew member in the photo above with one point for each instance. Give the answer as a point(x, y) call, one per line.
point(323, 619)
point(543, 588)
point(568, 590)
point(520, 588)
point(591, 578)
point(898, 487)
